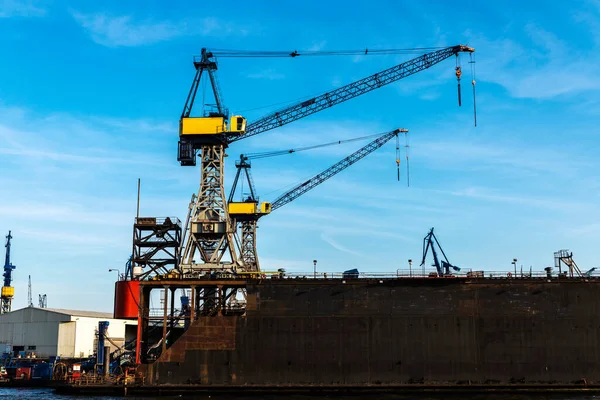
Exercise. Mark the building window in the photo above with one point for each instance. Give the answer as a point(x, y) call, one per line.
point(31, 347)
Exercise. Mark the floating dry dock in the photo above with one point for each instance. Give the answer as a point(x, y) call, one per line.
point(415, 334)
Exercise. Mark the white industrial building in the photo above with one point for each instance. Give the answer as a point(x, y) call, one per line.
point(55, 332)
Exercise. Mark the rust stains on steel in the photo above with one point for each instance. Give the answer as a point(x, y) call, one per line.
point(203, 334)
point(392, 332)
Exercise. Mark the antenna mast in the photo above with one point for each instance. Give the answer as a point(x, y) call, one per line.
point(29, 299)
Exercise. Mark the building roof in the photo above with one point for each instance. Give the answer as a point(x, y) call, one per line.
point(79, 313)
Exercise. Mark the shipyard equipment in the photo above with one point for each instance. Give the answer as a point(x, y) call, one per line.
point(565, 257)
point(209, 232)
point(8, 292)
point(443, 267)
point(102, 362)
point(246, 213)
point(42, 301)
point(209, 248)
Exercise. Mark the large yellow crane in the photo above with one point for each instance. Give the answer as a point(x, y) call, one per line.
point(209, 231)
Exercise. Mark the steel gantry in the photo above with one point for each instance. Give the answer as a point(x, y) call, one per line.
point(209, 232)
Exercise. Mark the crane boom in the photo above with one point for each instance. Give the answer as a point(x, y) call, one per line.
point(304, 187)
point(347, 92)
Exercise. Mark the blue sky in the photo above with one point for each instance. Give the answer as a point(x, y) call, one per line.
point(91, 93)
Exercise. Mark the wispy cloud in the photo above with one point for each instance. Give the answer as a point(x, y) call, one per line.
point(317, 46)
point(589, 15)
point(269, 74)
point(78, 174)
point(62, 137)
point(589, 229)
point(327, 238)
point(536, 69)
point(125, 31)
point(430, 96)
point(20, 8)
point(34, 210)
point(72, 158)
point(489, 195)
point(512, 156)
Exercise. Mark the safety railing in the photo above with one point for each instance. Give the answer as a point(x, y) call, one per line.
point(402, 273)
point(156, 220)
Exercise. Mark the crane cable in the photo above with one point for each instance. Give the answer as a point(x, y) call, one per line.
point(458, 70)
point(290, 151)
point(398, 156)
point(472, 62)
point(312, 53)
point(406, 146)
point(255, 156)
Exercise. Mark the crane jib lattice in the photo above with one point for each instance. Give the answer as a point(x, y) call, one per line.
point(349, 91)
point(304, 187)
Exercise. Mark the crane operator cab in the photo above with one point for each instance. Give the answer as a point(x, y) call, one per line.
point(209, 130)
point(198, 128)
point(248, 210)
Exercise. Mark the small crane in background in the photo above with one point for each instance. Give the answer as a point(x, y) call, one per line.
point(429, 242)
point(42, 301)
point(8, 292)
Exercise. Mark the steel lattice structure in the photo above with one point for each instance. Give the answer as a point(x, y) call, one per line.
point(155, 246)
point(210, 231)
point(335, 169)
point(350, 91)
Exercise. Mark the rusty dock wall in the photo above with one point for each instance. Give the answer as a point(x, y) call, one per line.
point(386, 332)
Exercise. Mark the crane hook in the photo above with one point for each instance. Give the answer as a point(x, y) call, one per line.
point(398, 156)
point(407, 146)
point(458, 74)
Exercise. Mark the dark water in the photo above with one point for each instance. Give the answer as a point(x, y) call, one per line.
point(42, 394)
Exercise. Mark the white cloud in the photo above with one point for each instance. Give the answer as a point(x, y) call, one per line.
point(124, 31)
point(20, 8)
